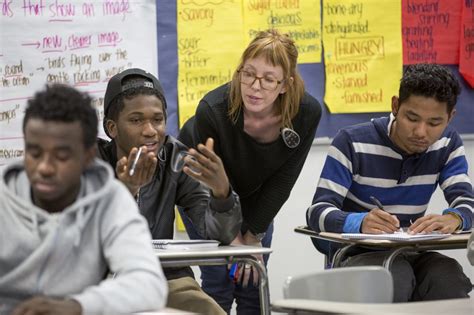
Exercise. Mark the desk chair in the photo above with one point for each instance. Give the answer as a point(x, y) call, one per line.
point(470, 250)
point(366, 284)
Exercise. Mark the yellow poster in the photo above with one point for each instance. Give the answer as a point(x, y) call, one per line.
point(362, 54)
point(210, 43)
point(300, 19)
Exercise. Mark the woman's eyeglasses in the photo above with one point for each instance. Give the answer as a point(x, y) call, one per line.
point(266, 83)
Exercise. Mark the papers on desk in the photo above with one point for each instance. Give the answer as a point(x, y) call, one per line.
point(397, 236)
point(184, 244)
point(463, 232)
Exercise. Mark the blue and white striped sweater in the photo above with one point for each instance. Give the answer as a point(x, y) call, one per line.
point(362, 162)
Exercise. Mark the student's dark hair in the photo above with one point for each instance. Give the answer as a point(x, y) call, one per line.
point(117, 104)
point(62, 103)
point(430, 80)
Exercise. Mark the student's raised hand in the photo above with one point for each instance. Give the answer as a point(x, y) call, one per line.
point(447, 223)
point(143, 172)
point(205, 166)
point(378, 221)
point(48, 306)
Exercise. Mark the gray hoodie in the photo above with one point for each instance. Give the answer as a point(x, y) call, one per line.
point(68, 254)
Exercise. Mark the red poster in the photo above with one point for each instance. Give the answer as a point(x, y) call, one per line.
point(430, 31)
point(466, 45)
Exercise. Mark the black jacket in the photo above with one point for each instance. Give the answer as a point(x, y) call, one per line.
point(263, 174)
point(212, 218)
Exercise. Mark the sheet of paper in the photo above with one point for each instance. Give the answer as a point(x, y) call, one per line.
point(301, 20)
point(466, 46)
point(397, 236)
point(80, 43)
point(430, 30)
point(362, 54)
point(210, 42)
point(184, 244)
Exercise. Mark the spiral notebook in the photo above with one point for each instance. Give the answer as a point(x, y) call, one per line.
point(184, 244)
point(397, 236)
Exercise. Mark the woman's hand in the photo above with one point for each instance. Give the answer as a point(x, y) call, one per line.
point(248, 270)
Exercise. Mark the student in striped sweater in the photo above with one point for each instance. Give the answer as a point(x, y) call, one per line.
point(401, 160)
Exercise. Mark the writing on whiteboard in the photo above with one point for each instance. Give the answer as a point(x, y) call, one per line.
point(81, 43)
point(66, 11)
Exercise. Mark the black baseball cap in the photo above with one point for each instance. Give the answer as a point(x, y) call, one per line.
point(115, 87)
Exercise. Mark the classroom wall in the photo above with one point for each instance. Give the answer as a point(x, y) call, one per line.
point(294, 254)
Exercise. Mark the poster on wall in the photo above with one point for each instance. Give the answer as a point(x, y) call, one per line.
point(301, 20)
point(202, 63)
point(78, 43)
point(466, 46)
point(362, 55)
point(430, 31)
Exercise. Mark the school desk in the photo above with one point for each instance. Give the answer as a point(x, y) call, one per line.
point(221, 255)
point(439, 307)
point(455, 241)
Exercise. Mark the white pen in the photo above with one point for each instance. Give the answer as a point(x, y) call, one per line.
point(134, 164)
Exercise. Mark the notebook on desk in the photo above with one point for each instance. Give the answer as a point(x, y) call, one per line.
point(397, 236)
point(184, 244)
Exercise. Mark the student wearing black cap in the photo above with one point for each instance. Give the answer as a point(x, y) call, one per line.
point(160, 172)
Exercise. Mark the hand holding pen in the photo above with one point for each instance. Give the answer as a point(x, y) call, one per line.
point(135, 161)
point(137, 169)
point(378, 221)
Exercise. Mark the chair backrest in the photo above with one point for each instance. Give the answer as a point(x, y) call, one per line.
point(367, 284)
point(470, 248)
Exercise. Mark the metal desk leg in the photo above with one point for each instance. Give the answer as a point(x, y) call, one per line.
point(387, 263)
point(259, 266)
point(263, 283)
point(340, 254)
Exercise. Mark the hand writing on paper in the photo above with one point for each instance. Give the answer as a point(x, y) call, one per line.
point(446, 223)
point(206, 166)
point(44, 305)
point(378, 221)
point(144, 169)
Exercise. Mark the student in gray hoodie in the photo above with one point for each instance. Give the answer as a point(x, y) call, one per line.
point(65, 221)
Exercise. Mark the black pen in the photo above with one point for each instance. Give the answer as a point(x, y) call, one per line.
point(377, 202)
point(380, 206)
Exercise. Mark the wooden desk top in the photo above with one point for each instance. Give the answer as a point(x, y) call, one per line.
point(450, 242)
point(166, 311)
point(441, 307)
point(217, 252)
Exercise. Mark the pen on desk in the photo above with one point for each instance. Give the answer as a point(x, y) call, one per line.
point(380, 206)
point(134, 164)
